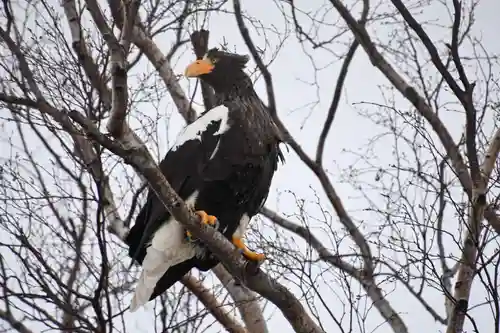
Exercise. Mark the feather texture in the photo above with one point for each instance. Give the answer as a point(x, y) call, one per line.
point(223, 163)
point(168, 248)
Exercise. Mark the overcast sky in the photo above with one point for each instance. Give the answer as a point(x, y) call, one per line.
point(302, 106)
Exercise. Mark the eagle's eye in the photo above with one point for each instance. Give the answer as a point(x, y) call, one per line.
point(213, 60)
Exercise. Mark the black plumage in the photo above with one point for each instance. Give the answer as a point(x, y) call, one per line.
point(227, 157)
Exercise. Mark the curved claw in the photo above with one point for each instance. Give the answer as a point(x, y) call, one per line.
point(205, 219)
point(246, 252)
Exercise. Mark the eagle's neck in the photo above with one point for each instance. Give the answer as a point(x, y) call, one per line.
point(237, 92)
point(233, 86)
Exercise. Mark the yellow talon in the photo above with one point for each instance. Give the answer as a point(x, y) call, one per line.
point(205, 219)
point(250, 255)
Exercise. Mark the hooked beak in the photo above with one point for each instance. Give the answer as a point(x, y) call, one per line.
point(199, 67)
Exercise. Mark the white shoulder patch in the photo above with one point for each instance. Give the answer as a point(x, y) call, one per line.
point(194, 130)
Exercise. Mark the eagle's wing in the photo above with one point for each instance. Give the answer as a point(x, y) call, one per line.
point(184, 167)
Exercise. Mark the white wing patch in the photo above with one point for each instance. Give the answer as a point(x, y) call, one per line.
point(194, 130)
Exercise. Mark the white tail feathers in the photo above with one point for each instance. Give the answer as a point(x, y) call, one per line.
point(167, 249)
point(154, 266)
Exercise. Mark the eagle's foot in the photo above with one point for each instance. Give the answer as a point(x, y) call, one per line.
point(246, 252)
point(205, 219)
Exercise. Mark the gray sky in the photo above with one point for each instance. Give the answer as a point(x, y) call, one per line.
point(302, 106)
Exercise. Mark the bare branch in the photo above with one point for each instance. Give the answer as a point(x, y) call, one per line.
point(80, 48)
point(245, 299)
point(364, 277)
point(335, 102)
point(454, 44)
point(409, 93)
point(323, 252)
point(255, 55)
point(160, 61)
point(13, 322)
point(338, 89)
point(491, 156)
point(131, 20)
point(208, 299)
point(464, 96)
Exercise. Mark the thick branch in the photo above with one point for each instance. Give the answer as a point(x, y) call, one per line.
point(208, 299)
point(491, 156)
point(88, 64)
point(131, 17)
point(493, 219)
point(467, 266)
point(160, 62)
point(245, 299)
point(199, 41)
point(16, 325)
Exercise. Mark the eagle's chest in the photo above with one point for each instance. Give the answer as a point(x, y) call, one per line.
point(243, 139)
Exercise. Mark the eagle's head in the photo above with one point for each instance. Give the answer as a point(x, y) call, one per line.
point(222, 70)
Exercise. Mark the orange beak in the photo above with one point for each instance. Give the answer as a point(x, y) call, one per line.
point(199, 67)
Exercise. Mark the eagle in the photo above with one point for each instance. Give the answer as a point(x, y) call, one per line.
point(221, 165)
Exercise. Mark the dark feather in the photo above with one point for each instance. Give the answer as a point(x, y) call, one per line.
point(232, 172)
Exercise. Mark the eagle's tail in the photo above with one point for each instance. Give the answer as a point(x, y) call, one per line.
point(155, 264)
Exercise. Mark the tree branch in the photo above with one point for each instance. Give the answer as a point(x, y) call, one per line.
point(491, 155)
point(88, 64)
point(255, 55)
point(338, 88)
point(409, 93)
point(159, 61)
point(14, 323)
point(208, 299)
point(199, 41)
point(366, 280)
point(464, 96)
point(335, 102)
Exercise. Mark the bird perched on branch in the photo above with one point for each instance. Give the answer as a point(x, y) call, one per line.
point(222, 165)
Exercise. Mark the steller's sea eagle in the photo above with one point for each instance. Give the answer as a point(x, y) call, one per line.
point(222, 165)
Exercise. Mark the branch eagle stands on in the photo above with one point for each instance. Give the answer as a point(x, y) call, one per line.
point(222, 165)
